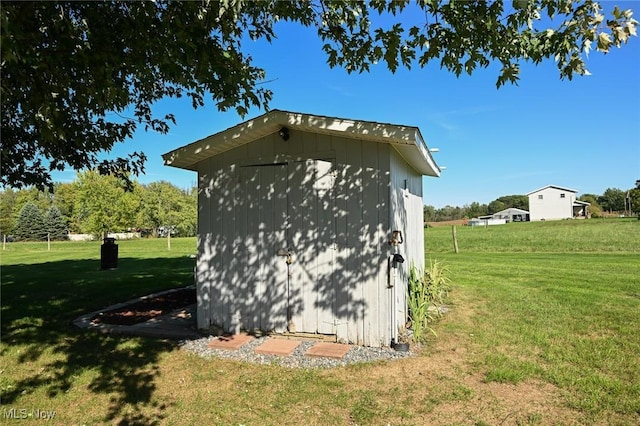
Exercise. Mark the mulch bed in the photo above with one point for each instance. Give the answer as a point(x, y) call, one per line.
point(147, 309)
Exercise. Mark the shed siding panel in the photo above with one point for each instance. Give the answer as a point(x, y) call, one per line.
point(222, 295)
point(244, 247)
point(309, 141)
point(225, 228)
point(219, 298)
point(302, 237)
point(342, 277)
point(203, 265)
point(326, 284)
point(384, 291)
point(324, 143)
point(372, 244)
point(354, 215)
point(406, 182)
point(252, 256)
point(406, 216)
point(280, 226)
point(264, 149)
point(249, 250)
point(271, 239)
point(324, 287)
point(214, 182)
point(295, 144)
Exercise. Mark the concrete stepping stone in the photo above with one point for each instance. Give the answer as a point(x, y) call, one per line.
point(328, 350)
point(233, 342)
point(280, 347)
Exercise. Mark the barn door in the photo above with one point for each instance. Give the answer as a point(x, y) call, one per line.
point(262, 233)
point(311, 236)
point(288, 209)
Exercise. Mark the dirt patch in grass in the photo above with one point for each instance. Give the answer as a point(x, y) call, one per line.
point(148, 308)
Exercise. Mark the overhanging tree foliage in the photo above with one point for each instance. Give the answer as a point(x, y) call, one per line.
point(79, 77)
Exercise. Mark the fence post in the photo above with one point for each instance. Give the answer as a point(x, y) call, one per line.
point(455, 239)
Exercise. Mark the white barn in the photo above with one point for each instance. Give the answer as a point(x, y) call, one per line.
point(555, 202)
point(512, 214)
point(295, 217)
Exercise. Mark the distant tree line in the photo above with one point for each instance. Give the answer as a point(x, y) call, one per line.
point(612, 201)
point(97, 204)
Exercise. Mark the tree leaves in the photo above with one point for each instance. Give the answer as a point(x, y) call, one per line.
point(66, 67)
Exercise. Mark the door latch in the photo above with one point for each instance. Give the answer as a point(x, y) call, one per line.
point(286, 253)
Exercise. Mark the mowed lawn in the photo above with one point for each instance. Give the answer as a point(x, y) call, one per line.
point(543, 328)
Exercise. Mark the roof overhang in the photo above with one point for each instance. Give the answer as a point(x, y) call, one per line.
point(406, 140)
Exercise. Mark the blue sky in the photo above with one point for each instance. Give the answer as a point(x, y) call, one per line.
point(582, 134)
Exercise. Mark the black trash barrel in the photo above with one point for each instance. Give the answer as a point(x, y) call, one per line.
point(109, 254)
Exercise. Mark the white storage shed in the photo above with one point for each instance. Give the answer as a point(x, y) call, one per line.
point(295, 217)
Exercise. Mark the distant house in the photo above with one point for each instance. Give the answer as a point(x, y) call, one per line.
point(554, 203)
point(512, 215)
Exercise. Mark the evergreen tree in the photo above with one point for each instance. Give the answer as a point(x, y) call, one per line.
point(54, 224)
point(30, 223)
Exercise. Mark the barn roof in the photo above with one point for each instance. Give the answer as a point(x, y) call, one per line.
point(511, 209)
point(407, 140)
point(553, 186)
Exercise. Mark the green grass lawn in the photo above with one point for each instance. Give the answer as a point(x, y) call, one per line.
point(569, 319)
point(543, 329)
point(563, 236)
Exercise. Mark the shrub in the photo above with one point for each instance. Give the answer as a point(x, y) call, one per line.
point(427, 294)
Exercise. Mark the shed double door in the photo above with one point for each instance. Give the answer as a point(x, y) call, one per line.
point(287, 228)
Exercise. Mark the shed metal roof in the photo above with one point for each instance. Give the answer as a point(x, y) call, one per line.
point(407, 140)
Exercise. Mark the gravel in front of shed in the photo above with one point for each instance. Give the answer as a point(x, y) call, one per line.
point(297, 359)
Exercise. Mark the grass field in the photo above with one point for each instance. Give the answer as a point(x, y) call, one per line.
point(543, 329)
